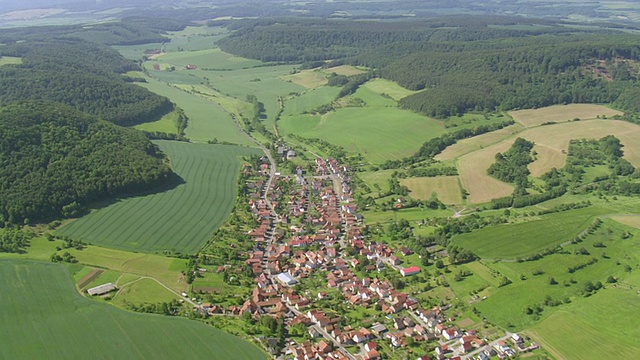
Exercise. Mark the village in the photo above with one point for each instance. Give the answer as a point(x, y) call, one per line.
point(327, 249)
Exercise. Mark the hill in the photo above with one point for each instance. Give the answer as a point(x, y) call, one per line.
point(84, 75)
point(56, 159)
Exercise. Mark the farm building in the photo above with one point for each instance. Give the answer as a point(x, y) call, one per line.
point(102, 289)
point(286, 279)
point(412, 270)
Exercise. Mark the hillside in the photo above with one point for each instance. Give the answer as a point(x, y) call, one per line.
point(56, 159)
point(86, 76)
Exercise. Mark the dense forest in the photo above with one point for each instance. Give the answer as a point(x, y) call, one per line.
point(461, 64)
point(54, 160)
point(81, 74)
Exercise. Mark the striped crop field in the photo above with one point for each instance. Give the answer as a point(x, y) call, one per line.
point(42, 316)
point(181, 219)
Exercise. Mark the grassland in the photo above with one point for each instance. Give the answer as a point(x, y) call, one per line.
point(445, 187)
point(390, 88)
point(178, 220)
point(10, 60)
point(43, 316)
point(509, 241)
point(141, 291)
point(562, 113)
point(391, 133)
point(167, 124)
point(207, 120)
point(347, 70)
point(310, 79)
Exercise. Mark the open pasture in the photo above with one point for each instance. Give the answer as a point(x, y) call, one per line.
point(167, 124)
point(207, 120)
point(177, 220)
point(568, 286)
point(552, 142)
point(346, 70)
point(601, 326)
point(479, 142)
point(445, 187)
point(310, 79)
point(561, 113)
point(44, 317)
point(10, 60)
point(379, 130)
point(629, 220)
point(510, 241)
point(210, 59)
point(388, 87)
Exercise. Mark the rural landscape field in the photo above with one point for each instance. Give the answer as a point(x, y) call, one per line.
point(320, 180)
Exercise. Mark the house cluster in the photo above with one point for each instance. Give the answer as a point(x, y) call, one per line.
point(285, 153)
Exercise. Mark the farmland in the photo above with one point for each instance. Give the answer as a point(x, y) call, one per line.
point(509, 241)
point(44, 305)
point(552, 143)
point(207, 120)
point(562, 113)
point(177, 220)
point(392, 133)
point(445, 187)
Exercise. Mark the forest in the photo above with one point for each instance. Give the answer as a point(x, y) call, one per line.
point(84, 75)
point(460, 64)
point(54, 160)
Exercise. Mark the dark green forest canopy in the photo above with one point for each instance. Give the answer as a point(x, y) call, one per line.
point(54, 159)
point(84, 75)
point(462, 63)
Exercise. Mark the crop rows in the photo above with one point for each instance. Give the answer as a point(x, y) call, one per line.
point(180, 219)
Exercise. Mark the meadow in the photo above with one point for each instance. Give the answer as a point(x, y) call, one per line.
point(595, 326)
point(510, 241)
point(166, 124)
point(446, 188)
point(68, 326)
point(181, 219)
point(207, 120)
point(391, 133)
point(10, 60)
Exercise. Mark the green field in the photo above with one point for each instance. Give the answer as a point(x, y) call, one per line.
point(179, 220)
point(167, 124)
point(207, 120)
point(509, 241)
point(609, 316)
point(42, 316)
point(379, 130)
point(10, 60)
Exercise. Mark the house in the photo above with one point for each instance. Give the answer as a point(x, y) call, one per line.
point(450, 334)
point(371, 345)
point(412, 270)
point(191, 67)
point(395, 260)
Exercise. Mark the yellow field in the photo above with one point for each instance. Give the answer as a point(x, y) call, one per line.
point(382, 86)
point(473, 174)
point(552, 143)
point(446, 187)
point(560, 113)
point(347, 70)
point(629, 220)
point(466, 146)
point(310, 79)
